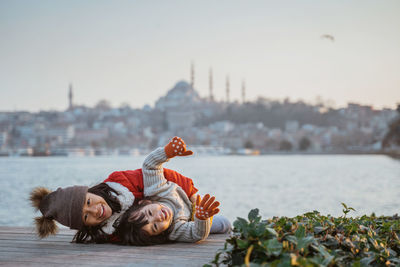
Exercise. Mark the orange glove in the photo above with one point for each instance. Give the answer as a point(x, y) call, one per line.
point(176, 147)
point(206, 208)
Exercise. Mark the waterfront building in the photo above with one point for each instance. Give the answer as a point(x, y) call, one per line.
point(180, 105)
point(87, 136)
point(3, 139)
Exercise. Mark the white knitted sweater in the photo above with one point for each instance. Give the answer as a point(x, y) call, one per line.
point(173, 196)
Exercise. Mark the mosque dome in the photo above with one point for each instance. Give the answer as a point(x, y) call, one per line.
point(181, 95)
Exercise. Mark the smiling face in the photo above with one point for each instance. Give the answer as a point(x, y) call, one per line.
point(159, 218)
point(95, 210)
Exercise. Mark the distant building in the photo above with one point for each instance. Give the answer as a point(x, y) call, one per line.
point(70, 98)
point(3, 139)
point(91, 135)
point(180, 105)
point(222, 126)
point(292, 126)
point(181, 95)
point(63, 134)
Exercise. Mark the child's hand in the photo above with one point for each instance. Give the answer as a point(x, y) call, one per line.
point(176, 147)
point(206, 208)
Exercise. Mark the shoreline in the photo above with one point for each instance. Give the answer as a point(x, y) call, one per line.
point(392, 154)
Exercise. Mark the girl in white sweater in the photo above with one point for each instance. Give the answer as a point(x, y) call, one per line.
point(166, 213)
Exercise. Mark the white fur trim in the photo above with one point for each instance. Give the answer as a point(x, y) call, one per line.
point(125, 198)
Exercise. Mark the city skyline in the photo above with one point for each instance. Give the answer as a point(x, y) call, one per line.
point(135, 52)
point(72, 104)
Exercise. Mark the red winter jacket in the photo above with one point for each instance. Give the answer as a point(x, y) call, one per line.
point(133, 180)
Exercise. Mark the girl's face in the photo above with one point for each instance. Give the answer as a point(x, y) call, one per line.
point(158, 216)
point(95, 210)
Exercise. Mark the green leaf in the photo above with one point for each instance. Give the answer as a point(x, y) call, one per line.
point(271, 231)
point(322, 250)
point(328, 259)
point(273, 247)
point(260, 229)
point(216, 258)
point(304, 242)
point(392, 252)
point(395, 260)
point(285, 261)
point(253, 215)
point(319, 229)
point(288, 226)
point(330, 223)
point(240, 224)
point(321, 261)
point(331, 242)
point(292, 239)
point(300, 232)
point(367, 261)
point(243, 244)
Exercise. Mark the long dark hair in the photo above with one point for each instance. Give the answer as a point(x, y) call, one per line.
point(130, 232)
point(94, 234)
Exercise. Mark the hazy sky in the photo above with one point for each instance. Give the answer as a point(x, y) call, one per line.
point(135, 51)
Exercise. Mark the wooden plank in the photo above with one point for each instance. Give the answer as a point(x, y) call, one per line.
point(8, 229)
point(211, 237)
point(6, 255)
point(107, 258)
point(35, 238)
point(20, 246)
point(57, 249)
point(54, 241)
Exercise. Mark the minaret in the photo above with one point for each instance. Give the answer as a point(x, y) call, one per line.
point(70, 96)
point(211, 85)
point(227, 89)
point(243, 91)
point(192, 75)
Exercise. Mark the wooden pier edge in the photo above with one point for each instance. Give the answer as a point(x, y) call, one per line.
point(19, 246)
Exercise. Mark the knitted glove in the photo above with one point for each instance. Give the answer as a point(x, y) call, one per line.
point(206, 208)
point(176, 147)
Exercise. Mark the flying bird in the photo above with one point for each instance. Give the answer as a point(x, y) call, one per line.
point(328, 36)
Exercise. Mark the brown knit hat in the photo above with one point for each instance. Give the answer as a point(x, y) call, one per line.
point(63, 205)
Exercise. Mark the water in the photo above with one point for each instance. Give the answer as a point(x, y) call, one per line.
point(277, 185)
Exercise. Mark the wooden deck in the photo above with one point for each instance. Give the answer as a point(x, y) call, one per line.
point(19, 246)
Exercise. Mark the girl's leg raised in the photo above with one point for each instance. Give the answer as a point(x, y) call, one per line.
point(220, 225)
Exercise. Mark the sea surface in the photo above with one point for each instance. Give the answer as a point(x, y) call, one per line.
point(278, 185)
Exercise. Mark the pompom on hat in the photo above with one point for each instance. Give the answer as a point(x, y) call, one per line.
point(63, 205)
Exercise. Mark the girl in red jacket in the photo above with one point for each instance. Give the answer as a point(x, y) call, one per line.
point(94, 211)
point(167, 214)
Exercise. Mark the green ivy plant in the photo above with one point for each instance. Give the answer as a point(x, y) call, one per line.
point(312, 239)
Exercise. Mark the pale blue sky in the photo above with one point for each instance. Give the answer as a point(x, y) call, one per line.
point(135, 51)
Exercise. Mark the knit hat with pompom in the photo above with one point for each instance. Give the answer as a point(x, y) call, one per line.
point(63, 205)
